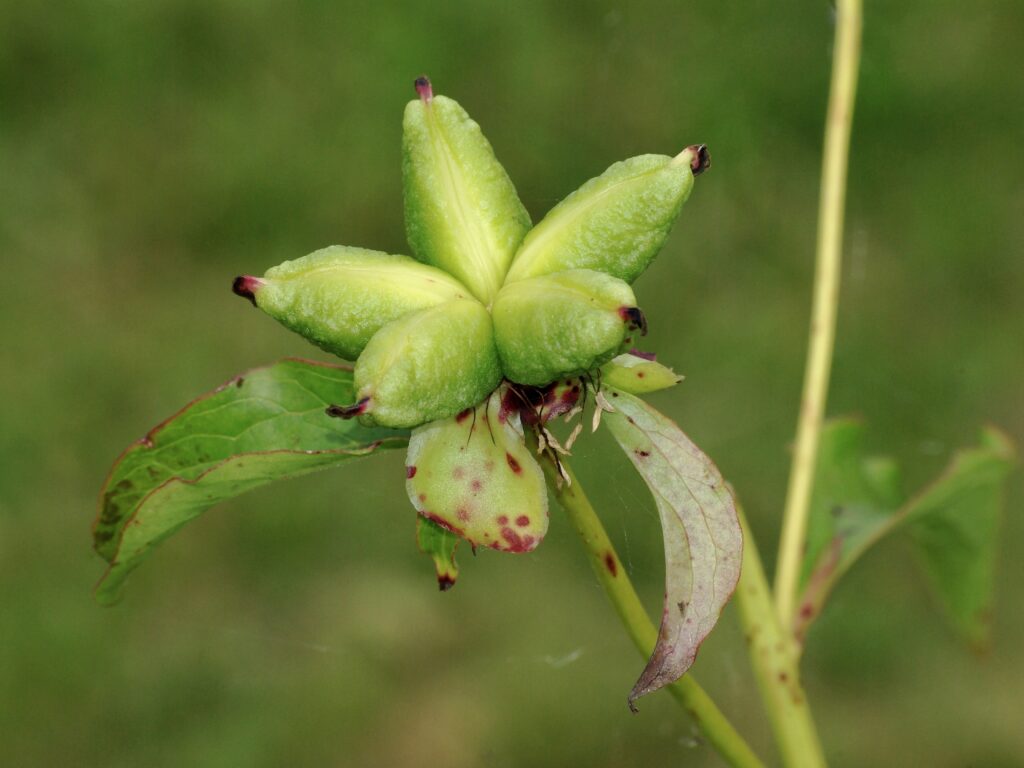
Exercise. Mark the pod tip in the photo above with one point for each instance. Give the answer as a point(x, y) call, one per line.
point(424, 88)
point(246, 287)
point(635, 318)
point(696, 156)
point(701, 159)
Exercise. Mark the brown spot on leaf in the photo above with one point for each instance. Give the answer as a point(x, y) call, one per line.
point(410, 472)
point(522, 521)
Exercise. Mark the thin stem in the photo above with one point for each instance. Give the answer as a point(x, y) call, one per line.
point(845, 60)
point(774, 658)
point(616, 583)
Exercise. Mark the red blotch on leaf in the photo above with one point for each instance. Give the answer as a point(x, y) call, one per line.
point(513, 463)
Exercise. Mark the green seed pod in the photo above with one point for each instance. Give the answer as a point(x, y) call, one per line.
point(615, 223)
point(473, 475)
point(427, 365)
point(561, 325)
point(462, 213)
point(339, 297)
point(637, 375)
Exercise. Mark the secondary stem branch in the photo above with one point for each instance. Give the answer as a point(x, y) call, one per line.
point(845, 60)
point(617, 585)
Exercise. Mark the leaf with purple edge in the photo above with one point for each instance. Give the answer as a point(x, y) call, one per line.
point(265, 425)
point(703, 541)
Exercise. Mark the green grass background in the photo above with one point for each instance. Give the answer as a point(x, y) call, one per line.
point(151, 151)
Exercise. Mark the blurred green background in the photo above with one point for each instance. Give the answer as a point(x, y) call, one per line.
point(151, 151)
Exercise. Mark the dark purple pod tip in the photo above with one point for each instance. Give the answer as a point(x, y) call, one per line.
point(445, 582)
point(348, 411)
point(423, 88)
point(701, 159)
point(246, 287)
point(634, 318)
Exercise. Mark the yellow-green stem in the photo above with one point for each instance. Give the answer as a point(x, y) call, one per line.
point(774, 657)
point(842, 93)
point(616, 583)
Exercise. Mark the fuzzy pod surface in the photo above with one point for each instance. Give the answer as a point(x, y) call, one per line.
point(339, 297)
point(462, 212)
point(615, 223)
point(427, 365)
point(559, 325)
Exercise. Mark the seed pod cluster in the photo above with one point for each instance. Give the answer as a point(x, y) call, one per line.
point(485, 298)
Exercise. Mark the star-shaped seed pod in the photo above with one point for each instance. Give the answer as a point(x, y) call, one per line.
point(492, 326)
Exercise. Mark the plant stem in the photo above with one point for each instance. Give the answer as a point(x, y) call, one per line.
point(774, 658)
point(842, 92)
point(616, 583)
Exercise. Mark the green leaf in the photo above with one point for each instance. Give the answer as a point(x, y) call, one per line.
point(264, 425)
point(440, 544)
point(703, 541)
point(857, 500)
point(955, 525)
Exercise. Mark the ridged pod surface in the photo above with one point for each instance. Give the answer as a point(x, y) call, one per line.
point(427, 365)
point(462, 213)
point(339, 297)
point(615, 223)
point(473, 475)
point(560, 325)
